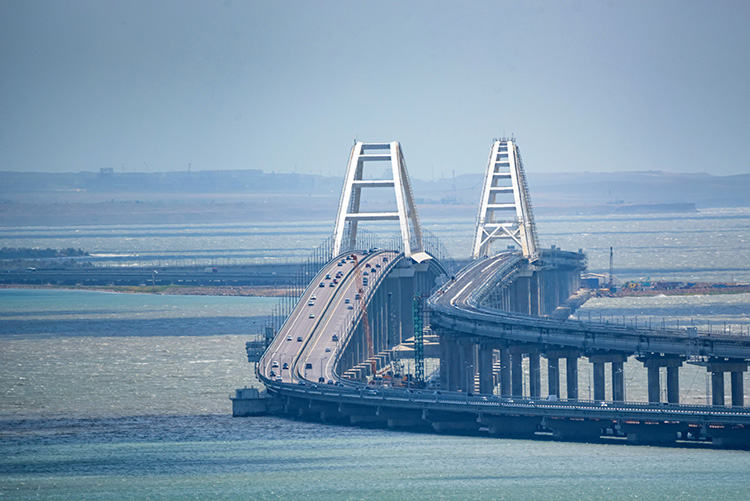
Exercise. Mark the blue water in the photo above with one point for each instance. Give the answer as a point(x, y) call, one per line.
point(711, 245)
point(145, 414)
point(125, 396)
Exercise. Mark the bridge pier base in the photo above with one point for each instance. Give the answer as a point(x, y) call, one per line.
point(576, 430)
point(726, 436)
point(446, 422)
point(648, 432)
point(510, 426)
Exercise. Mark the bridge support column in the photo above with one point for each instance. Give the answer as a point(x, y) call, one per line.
point(535, 289)
point(599, 381)
point(553, 376)
point(522, 294)
point(653, 364)
point(738, 390)
point(571, 377)
point(505, 387)
point(450, 364)
point(516, 373)
point(654, 388)
point(485, 368)
point(571, 372)
point(717, 368)
point(443, 361)
point(673, 385)
point(535, 376)
point(468, 365)
point(618, 381)
point(717, 388)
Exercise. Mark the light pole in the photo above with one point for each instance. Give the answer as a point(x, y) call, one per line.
point(321, 366)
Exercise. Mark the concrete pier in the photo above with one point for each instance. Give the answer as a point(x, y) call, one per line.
point(250, 402)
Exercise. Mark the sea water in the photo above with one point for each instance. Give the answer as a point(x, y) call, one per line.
point(145, 414)
point(126, 396)
point(710, 245)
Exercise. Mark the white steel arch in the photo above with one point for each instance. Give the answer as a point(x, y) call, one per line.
point(349, 214)
point(505, 210)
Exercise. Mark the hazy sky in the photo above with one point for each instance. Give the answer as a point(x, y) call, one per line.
point(287, 85)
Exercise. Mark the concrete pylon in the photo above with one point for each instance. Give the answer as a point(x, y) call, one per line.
point(349, 214)
point(505, 209)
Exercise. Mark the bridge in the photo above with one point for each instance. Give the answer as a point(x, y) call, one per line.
point(338, 355)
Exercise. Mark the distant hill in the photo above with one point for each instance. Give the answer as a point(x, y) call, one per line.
point(209, 196)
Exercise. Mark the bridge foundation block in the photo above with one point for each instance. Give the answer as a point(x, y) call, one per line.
point(511, 426)
point(576, 430)
point(652, 432)
point(730, 437)
point(447, 422)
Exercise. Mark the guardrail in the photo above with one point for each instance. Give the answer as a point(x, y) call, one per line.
point(494, 404)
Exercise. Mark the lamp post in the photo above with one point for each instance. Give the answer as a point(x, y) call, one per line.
point(321, 366)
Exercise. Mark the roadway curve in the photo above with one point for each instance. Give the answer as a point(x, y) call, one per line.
point(300, 389)
point(309, 343)
point(456, 307)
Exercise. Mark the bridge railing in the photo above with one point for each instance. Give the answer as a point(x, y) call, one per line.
point(537, 406)
point(503, 275)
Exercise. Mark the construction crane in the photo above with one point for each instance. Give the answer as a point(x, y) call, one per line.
point(365, 321)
